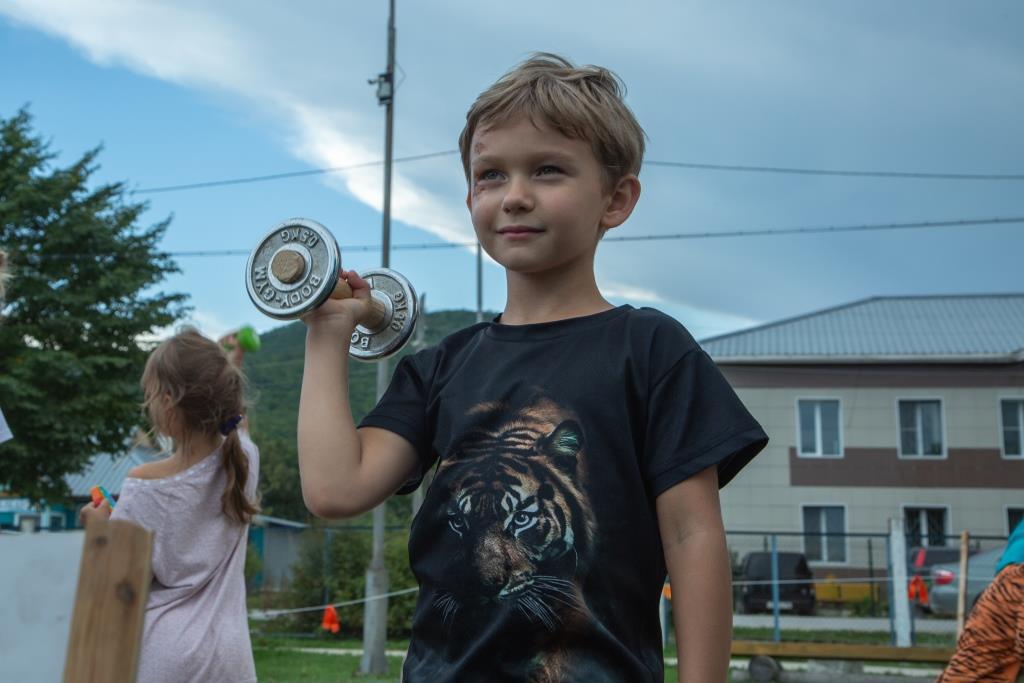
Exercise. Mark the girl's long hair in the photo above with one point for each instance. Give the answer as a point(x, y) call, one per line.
point(191, 388)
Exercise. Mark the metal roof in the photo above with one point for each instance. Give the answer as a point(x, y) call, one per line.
point(109, 470)
point(966, 328)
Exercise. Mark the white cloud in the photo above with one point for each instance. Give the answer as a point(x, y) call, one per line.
point(320, 140)
point(824, 84)
point(619, 290)
point(207, 323)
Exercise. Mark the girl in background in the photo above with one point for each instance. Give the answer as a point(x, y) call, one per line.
point(198, 503)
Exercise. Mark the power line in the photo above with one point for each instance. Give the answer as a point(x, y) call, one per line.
point(741, 168)
point(292, 174)
point(663, 237)
point(820, 229)
point(837, 172)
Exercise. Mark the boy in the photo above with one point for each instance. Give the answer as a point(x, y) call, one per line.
point(579, 447)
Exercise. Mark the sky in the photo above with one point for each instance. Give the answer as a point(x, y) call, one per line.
point(189, 92)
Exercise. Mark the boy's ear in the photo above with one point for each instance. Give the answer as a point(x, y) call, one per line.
point(622, 200)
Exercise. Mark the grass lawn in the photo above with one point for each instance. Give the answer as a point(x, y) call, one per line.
point(277, 663)
point(274, 665)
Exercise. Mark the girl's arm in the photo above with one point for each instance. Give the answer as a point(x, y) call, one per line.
point(693, 537)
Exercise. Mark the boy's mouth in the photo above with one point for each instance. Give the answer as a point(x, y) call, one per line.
point(518, 230)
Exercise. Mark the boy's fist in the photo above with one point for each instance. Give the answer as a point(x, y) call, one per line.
point(341, 315)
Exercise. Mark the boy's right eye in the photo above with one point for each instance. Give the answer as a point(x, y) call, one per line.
point(489, 174)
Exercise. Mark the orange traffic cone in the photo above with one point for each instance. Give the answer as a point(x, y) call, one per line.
point(917, 590)
point(330, 621)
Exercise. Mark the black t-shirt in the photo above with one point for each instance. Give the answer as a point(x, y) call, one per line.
point(537, 548)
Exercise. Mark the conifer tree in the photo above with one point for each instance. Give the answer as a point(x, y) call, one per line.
point(85, 288)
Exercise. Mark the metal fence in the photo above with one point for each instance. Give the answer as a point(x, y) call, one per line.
point(853, 574)
point(775, 574)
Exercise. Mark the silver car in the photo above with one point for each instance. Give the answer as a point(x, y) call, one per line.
point(945, 581)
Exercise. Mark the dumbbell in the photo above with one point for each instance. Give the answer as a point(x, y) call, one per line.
point(295, 268)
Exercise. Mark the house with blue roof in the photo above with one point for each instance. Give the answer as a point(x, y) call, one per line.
point(275, 541)
point(106, 469)
point(909, 407)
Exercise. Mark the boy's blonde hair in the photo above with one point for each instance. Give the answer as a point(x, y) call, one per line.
point(584, 103)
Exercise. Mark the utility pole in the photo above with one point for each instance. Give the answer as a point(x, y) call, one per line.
point(375, 609)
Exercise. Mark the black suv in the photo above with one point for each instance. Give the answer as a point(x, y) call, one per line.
point(796, 583)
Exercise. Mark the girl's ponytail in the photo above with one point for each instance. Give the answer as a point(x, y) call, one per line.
point(235, 503)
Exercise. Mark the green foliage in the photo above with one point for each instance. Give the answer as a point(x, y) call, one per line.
point(81, 295)
point(347, 561)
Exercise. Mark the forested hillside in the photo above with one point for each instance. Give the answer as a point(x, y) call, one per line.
point(275, 377)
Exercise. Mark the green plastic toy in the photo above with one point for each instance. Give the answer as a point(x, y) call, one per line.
point(248, 339)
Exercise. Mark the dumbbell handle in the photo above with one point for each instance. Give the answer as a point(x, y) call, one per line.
point(343, 290)
point(289, 266)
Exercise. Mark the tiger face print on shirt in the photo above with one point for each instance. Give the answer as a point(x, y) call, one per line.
point(518, 516)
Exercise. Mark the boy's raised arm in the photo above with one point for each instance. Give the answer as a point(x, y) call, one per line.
point(693, 537)
point(344, 471)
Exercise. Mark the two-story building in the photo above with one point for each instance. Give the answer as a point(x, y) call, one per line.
point(908, 407)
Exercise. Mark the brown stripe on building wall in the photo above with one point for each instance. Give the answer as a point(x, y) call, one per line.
point(873, 375)
point(981, 468)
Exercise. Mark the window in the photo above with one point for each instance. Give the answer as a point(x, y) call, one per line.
point(921, 428)
point(825, 519)
point(1013, 518)
point(1013, 427)
point(819, 427)
point(925, 526)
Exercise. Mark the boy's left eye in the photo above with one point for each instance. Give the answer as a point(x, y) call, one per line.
point(548, 169)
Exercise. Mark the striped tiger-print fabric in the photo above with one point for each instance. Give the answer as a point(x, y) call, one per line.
point(991, 648)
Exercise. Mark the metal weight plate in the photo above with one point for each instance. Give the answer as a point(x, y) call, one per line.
point(313, 261)
point(400, 314)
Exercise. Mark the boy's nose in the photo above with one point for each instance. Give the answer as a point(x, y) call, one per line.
point(517, 197)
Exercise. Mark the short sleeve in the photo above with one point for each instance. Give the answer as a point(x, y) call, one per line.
point(696, 420)
point(403, 410)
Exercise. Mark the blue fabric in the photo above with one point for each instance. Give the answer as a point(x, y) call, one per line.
point(1014, 553)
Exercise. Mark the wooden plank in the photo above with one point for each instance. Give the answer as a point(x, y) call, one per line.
point(110, 603)
point(849, 651)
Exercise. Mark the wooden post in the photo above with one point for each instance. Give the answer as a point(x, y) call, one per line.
point(961, 594)
point(110, 603)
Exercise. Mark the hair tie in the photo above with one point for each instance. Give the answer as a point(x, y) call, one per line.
point(228, 425)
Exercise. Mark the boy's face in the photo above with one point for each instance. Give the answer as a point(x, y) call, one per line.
point(537, 197)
